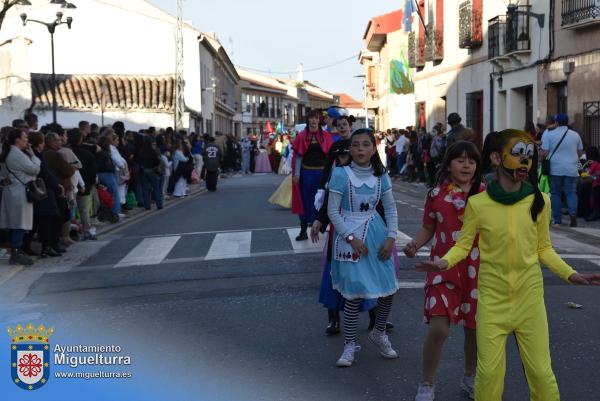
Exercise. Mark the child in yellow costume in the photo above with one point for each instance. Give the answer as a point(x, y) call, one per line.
point(512, 218)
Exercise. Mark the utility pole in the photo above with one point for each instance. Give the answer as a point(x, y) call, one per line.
point(179, 82)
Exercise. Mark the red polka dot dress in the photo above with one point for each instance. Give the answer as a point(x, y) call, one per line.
point(451, 293)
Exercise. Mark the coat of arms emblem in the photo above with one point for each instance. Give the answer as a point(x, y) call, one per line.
point(30, 355)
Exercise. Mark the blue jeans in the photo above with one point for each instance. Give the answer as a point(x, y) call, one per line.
point(400, 160)
point(560, 184)
point(109, 180)
point(15, 236)
point(151, 186)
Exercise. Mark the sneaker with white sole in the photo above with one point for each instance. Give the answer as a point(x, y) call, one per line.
point(382, 342)
point(468, 385)
point(349, 355)
point(425, 392)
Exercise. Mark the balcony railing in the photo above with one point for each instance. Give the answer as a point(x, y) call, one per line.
point(420, 61)
point(580, 12)
point(412, 50)
point(434, 50)
point(517, 30)
point(470, 34)
point(496, 33)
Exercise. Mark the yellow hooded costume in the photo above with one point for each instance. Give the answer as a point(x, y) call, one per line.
point(511, 287)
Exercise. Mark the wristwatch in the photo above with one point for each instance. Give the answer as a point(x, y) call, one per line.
point(350, 238)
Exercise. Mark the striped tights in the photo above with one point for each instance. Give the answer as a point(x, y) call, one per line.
point(352, 309)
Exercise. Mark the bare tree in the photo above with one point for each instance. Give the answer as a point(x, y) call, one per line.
point(7, 5)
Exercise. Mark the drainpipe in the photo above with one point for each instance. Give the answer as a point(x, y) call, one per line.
point(491, 102)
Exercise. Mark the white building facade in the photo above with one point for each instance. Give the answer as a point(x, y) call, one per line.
point(478, 59)
point(117, 53)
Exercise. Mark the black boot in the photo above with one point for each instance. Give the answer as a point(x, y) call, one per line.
point(49, 252)
point(333, 327)
point(372, 317)
point(303, 236)
point(17, 258)
point(594, 216)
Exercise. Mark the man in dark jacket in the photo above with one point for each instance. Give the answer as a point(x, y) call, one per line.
point(88, 173)
point(459, 132)
point(212, 161)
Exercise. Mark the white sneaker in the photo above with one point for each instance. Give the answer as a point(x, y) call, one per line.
point(349, 355)
point(381, 341)
point(468, 384)
point(425, 392)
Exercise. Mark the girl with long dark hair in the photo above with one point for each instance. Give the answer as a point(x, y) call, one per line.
point(450, 297)
point(362, 265)
point(512, 219)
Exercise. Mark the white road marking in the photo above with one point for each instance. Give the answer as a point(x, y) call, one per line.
point(401, 202)
point(411, 284)
point(150, 251)
point(304, 246)
point(230, 245)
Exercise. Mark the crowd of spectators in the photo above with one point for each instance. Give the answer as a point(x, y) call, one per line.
point(58, 184)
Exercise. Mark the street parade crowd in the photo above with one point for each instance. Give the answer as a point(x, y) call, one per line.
point(487, 215)
point(485, 202)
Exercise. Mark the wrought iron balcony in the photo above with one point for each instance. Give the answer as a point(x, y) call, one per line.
point(420, 61)
point(434, 50)
point(412, 50)
point(579, 13)
point(517, 37)
point(470, 33)
point(496, 34)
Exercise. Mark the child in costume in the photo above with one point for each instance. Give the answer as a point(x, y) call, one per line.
point(512, 217)
point(450, 296)
point(362, 265)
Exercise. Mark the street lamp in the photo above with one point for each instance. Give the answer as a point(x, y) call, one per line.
point(364, 77)
point(52, 28)
point(104, 92)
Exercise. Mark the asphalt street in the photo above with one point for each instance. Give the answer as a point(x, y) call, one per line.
point(215, 300)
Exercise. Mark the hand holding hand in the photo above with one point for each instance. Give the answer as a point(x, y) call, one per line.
point(410, 249)
point(386, 249)
point(429, 266)
point(585, 279)
point(314, 231)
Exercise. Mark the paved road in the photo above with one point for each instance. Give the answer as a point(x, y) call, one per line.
point(214, 300)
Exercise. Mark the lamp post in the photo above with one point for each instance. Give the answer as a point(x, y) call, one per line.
point(51, 26)
point(364, 77)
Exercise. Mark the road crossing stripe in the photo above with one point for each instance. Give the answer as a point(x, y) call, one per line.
point(302, 246)
point(230, 245)
point(150, 251)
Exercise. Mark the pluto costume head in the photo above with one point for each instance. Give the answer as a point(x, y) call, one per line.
point(517, 153)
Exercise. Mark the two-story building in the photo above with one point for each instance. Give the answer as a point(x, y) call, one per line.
point(221, 85)
point(569, 81)
point(479, 59)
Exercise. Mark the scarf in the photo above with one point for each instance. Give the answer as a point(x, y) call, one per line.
point(498, 194)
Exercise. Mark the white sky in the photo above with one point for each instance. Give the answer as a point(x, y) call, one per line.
point(277, 35)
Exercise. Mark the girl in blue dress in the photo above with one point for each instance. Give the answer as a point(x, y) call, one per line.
point(362, 265)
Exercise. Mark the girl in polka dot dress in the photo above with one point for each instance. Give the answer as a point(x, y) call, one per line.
point(450, 296)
